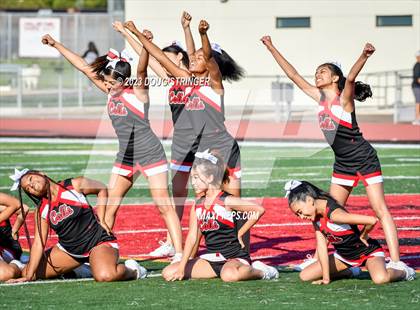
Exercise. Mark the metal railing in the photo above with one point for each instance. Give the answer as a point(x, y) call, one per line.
point(61, 87)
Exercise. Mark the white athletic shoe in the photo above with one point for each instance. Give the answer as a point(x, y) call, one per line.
point(133, 265)
point(176, 258)
point(269, 272)
point(410, 273)
point(309, 260)
point(164, 250)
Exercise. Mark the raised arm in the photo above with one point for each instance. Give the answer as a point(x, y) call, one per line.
point(153, 63)
point(88, 187)
point(141, 85)
point(211, 64)
point(160, 56)
point(347, 97)
point(291, 72)
point(78, 62)
point(185, 22)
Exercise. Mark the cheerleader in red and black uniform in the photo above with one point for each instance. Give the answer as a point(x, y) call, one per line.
point(353, 248)
point(140, 151)
point(10, 249)
point(204, 99)
point(184, 144)
point(82, 238)
point(355, 158)
point(213, 216)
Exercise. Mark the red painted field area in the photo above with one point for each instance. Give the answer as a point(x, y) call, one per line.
point(279, 238)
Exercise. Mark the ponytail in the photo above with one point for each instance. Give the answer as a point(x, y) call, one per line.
point(228, 67)
point(121, 72)
point(305, 189)
point(362, 91)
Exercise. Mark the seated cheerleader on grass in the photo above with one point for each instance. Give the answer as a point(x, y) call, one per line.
point(353, 248)
point(82, 237)
point(213, 216)
point(10, 250)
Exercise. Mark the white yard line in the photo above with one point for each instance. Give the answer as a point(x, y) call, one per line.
point(168, 142)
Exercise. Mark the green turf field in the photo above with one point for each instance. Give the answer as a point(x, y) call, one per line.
point(288, 292)
point(265, 171)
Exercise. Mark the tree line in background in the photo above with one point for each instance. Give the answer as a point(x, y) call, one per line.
point(52, 4)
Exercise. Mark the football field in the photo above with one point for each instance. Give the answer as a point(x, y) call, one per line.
point(279, 238)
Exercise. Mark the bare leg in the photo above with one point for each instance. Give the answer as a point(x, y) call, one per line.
point(314, 271)
point(158, 185)
point(340, 193)
point(375, 193)
point(56, 262)
point(381, 275)
point(196, 269)
point(105, 268)
point(117, 188)
point(234, 271)
point(180, 194)
point(8, 271)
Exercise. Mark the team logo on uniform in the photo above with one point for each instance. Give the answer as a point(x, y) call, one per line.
point(116, 108)
point(177, 97)
point(325, 122)
point(64, 211)
point(333, 239)
point(208, 223)
point(195, 104)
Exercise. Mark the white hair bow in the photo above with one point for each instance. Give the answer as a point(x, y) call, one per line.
point(291, 185)
point(207, 155)
point(114, 56)
point(16, 178)
point(216, 47)
point(336, 63)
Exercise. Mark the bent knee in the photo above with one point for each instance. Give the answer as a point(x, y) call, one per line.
point(104, 276)
point(7, 273)
point(168, 272)
point(381, 279)
point(166, 209)
point(305, 277)
point(230, 275)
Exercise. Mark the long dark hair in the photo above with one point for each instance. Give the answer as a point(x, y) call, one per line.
point(228, 67)
point(38, 201)
point(362, 91)
point(218, 171)
point(176, 49)
point(121, 72)
point(301, 192)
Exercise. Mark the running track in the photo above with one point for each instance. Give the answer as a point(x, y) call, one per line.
point(242, 130)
